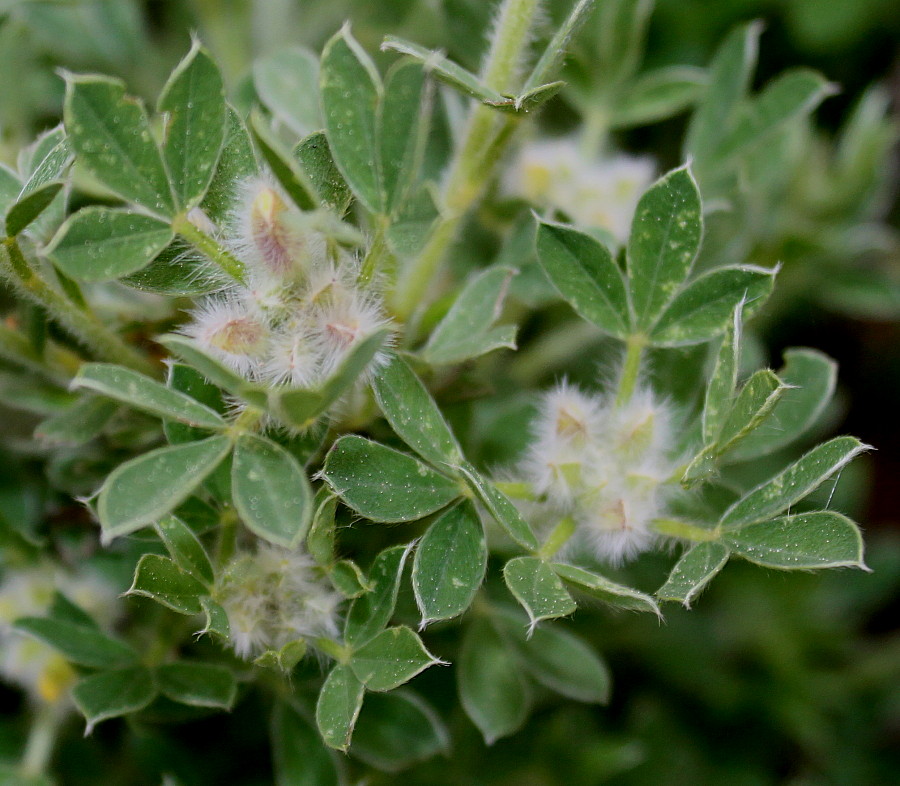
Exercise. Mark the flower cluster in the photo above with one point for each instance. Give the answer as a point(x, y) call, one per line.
point(607, 466)
point(600, 192)
point(36, 667)
point(299, 310)
point(273, 596)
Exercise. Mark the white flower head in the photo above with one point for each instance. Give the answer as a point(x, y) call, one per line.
point(293, 357)
point(227, 328)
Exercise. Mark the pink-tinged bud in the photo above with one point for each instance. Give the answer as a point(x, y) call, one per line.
point(231, 332)
point(269, 231)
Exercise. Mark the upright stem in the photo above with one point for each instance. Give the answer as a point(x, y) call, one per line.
point(41, 738)
point(634, 351)
point(469, 171)
point(83, 325)
point(209, 247)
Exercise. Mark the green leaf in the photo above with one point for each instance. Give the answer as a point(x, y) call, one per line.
point(722, 384)
point(622, 26)
point(148, 487)
point(216, 619)
point(792, 94)
point(190, 382)
point(347, 578)
point(693, 571)
point(160, 579)
point(61, 608)
point(586, 275)
point(29, 207)
point(351, 91)
point(823, 539)
point(553, 56)
point(146, 394)
point(370, 614)
point(812, 377)
point(657, 95)
point(397, 730)
point(197, 684)
point(413, 413)
point(78, 642)
point(705, 307)
point(298, 755)
point(194, 101)
point(556, 659)
point(754, 404)
point(320, 540)
point(112, 139)
point(178, 272)
point(80, 423)
point(504, 512)
point(286, 170)
point(337, 709)
point(492, 688)
point(392, 658)
point(51, 156)
point(446, 70)
point(271, 492)
point(110, 694)
point(185, 549)
point(665, 239)
point(384, 484)
point(315, 159)
point(466, 330)
point(287, 83)
point(403, 125)
point(102, 244)
point(607, 591)
point(450, 563)
point(794, 483)
point(534, 584)
point(285, 658)
point(236, 163)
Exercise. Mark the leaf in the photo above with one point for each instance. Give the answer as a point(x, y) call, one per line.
point(196, 125)
point(384, 484)
point(287, 82)
point(370, 614)
point(794, 483)
point(792, 94)
point(216, 619)
point(585, 274)
point(286, 170)
point(80, 423)
point(657, 95)
point(298, 755)
point(160, 579)
point(704, 308)
point(492, 688)
point(187, 380)
point(812, 377)
point(271, 492)
point(29, 207)
point(103, 244)
point(351, 91)
point(754, 404)
point(403, 123)
point(504, 512)
point(534, 584)
point(465, 332)
point(146, 394)
point(79, 642)
point(51, 155)
point(284, 658)
point(823, 539)
point(148, 487)
point(450, 563)
point(110, 694)
point(237, 162)
point(607, 591)
point(178, 272)
point(622, 27)
point(197, 684)
point(693, 571)
point(397, 730)
point(320, 540)
point(315, 159)
point(337, 709)
point(390, 659)
point(722, 384)
point(347, 578)
point(112, 139)
point(185, 549)
point(665, 239)
point(553, 56)
point(556, 659)
point(413, 413)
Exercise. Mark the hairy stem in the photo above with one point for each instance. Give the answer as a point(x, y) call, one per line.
point(209, 247)
point(631, 368)
point(41, 739)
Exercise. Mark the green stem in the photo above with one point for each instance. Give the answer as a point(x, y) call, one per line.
point(470, 171)
point(209, 247)
point(41, 739)
point(83, 325)
point(676, 528)
point(558, 538)
point(631, 368)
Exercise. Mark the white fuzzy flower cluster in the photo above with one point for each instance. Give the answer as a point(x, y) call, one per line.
point(605, 466)
point(299, 311)
point(273, 596)
point(37, 668)
point(600, 192)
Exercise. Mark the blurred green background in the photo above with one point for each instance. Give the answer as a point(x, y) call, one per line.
point(773, 678)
